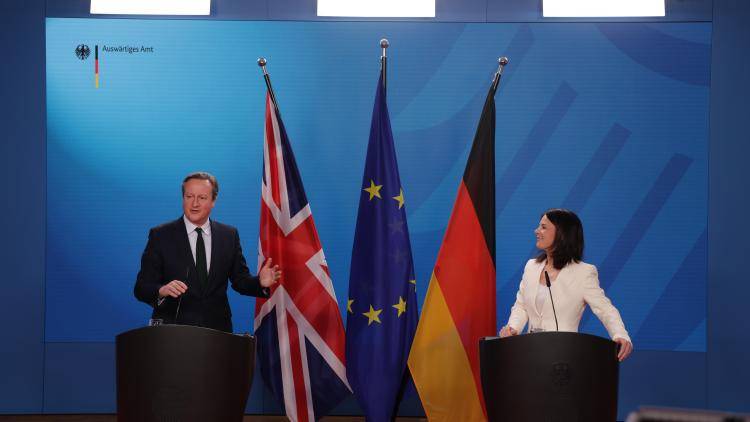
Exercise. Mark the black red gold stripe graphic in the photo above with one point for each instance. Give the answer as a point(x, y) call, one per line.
point(96, 66)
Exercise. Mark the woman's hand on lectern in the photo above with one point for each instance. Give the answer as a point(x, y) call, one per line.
point(507, 331)
point(625, 348)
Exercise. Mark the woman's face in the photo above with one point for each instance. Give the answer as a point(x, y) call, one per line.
point(545, 234)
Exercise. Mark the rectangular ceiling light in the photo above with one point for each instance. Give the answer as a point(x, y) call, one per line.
point(151, 7)
point(377, 8)
point(602, 8)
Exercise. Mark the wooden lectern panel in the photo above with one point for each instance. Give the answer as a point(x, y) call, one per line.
point(182, 373)
point(550, 377)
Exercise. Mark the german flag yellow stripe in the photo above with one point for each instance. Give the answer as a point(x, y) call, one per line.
point(439, 364)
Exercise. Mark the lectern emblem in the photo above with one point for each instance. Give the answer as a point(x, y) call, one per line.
point(561, 374)
point(82, 51)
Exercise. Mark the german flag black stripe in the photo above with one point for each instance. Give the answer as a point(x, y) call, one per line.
point(479, 175)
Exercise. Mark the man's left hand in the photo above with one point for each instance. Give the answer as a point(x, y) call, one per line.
point(269, 275)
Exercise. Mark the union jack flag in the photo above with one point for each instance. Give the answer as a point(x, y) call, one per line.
point(298, 328)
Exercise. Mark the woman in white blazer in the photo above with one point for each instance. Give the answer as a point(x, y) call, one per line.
point(573, 284)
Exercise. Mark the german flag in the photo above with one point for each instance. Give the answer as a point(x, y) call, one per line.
point(460, 305)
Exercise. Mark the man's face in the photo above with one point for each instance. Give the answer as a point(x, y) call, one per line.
point(197, 202)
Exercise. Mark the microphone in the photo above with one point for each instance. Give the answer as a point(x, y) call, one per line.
point(549, 287)
point(179, 301)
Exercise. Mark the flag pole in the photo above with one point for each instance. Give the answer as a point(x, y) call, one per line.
point(384, 61)
point(502, 61)
point(262, 63)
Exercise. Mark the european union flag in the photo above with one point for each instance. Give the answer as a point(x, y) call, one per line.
point(382, 305)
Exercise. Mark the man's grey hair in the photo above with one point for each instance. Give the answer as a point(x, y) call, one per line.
point(202, 175)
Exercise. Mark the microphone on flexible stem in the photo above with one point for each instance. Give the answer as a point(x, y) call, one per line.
point(179, 301)
point(549, 287)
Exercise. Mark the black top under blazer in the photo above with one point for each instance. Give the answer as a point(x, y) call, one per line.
point(168, 257)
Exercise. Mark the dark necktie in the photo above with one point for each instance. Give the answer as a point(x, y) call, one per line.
point(200, 259)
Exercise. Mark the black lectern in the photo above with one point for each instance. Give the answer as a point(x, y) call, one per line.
point(183, 373)
point(549, 377)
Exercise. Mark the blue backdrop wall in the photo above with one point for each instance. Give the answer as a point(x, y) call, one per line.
point(590, 134)
point(619, 112)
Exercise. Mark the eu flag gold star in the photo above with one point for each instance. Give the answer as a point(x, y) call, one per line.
point(400, 198)
point(349, 305)
point(400, 306)
point(373, 315)
point(373, 190)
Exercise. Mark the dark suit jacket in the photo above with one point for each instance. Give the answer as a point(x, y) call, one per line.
point(168, 257)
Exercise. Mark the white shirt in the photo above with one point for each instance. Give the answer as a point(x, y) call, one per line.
point(193, 238)
point(541, 297)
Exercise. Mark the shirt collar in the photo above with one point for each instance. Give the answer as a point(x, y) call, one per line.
point(190, 227)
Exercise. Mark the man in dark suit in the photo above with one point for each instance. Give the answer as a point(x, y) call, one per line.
point(187, 262)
